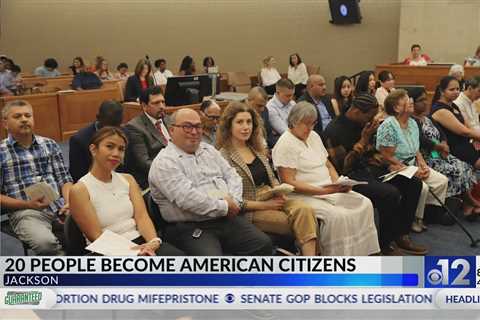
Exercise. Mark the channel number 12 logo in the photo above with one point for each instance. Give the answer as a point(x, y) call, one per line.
point(450, 272)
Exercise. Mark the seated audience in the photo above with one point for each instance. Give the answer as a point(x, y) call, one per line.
point(269, 75)
point(187, 67)
point(101, 70)
point(162, 67)
point(240, 142)
point(200, 194)
point(398, 140)
point(449, 118)
point(387, 83)
point(77, 66)
point(208, 62)
point(435, 150)
point(346, 218)
point(159, 76)
point(465, 102)
point(210, 113)
point(297, 72)
point(280, 105)
point(366, 83)
point(458, 73)
point(48, 70)
point(97, 64)
point(349, 141)
point(7, 81)
point(86, 80)
point(122, 72)
point(316, 94)
point(106, 200)
point(110, 113)
point(139, 81)
point(343, 95)
point(417, 58)
point(257, 99)
point(475, 60)
point(147, 134)
point(25, 160)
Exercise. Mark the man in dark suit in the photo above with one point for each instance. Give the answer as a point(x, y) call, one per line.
point(147, 134)
point(110, 113)
point(257, 99)
point(316, 94)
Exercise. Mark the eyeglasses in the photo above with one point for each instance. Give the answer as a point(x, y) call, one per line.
point(188, 128)
point(213, 117)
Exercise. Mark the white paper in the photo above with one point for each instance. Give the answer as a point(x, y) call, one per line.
point(408, 172)
point(282, 189)
point(345, 181)
point(41, 189)
point(112, 244)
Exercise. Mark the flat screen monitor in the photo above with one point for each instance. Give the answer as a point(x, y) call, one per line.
point(183, 90)
point(345, 11)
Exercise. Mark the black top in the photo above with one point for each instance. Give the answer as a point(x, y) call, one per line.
point(340, 138)
point(460, 146)
point(86, 81)
point(259, 173)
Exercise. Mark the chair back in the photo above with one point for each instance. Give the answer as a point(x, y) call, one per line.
point(75, 242)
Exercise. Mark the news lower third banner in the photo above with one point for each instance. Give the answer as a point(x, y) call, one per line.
point(443, 282)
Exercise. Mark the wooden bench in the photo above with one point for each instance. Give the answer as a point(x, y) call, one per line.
point(79, 108)
point(45, 111)
point(428, 76)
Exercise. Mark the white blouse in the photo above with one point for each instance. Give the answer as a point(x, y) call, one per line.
point(298, 74)
point(269, 76)
point(112, 204)
point(308, 158)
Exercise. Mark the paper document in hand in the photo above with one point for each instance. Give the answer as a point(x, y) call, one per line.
point(112, 244)
point(282, 189)
point(345, 181)
point(408, 172)
point(41, 189)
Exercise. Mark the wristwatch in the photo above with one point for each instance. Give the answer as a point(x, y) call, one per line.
point(157, 240)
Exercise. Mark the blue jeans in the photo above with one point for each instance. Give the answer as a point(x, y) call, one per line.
point(35, 229)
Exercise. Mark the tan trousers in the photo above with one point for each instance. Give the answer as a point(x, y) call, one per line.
point(297, 218)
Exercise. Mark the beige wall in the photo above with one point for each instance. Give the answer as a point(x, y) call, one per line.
point(238, 33)
point(448, 30)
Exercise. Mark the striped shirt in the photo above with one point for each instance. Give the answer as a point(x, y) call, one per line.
point(191, 187)
point(21, 167)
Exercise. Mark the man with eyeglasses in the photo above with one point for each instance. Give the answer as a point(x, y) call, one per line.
point(147, 134)
point(200, 195)
point(210, 112)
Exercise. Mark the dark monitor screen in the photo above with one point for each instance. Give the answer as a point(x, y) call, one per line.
point(183, 90)
point(345, 11)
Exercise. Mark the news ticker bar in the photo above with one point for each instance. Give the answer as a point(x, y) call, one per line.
point(239, 298)
point(209, 280)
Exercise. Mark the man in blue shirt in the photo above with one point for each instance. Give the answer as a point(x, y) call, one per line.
point(25, 160)
point(280, 105)
point(316, 94)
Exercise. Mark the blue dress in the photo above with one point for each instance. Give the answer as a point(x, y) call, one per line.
point(406, 141)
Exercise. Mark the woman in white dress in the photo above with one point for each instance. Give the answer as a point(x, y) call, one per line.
point(346, 218)
point(106, 200)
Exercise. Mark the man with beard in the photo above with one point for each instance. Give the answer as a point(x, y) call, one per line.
point(147, 135)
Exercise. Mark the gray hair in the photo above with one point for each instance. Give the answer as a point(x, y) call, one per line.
point(456, 68)
point(257, 91)
point(14, 103)
point(301, 112)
